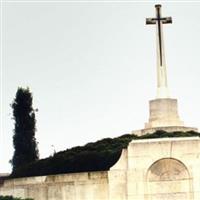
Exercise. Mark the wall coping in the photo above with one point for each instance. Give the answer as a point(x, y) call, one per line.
point(166, 139)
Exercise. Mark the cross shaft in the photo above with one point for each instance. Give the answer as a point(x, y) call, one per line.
point(162, 88)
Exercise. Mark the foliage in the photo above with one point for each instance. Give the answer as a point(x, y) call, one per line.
point(24, 141)
point(11, 198)
point(97, 156)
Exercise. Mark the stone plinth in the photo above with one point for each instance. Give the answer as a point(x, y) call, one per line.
point(163, 113)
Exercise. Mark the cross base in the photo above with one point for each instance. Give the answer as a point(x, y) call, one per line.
point(163, 112)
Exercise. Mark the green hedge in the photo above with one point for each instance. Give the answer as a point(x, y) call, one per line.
point(11, 198)
point(97, 156)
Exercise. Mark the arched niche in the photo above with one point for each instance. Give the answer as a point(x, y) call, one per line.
point(168, 179)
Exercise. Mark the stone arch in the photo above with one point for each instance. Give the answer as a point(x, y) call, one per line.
point(168, 178)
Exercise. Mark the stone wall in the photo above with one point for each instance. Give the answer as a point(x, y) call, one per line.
point(167, 168)
point(75, 186)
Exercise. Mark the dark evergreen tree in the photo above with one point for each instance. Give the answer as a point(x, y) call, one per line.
point(24, 142)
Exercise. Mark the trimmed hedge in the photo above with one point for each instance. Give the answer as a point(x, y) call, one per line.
point(97, 156)
point(11, 198)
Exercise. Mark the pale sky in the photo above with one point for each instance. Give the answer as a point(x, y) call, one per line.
point(91, 67)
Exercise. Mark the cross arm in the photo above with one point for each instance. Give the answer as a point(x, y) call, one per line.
point(150, 21)
point(166, 20)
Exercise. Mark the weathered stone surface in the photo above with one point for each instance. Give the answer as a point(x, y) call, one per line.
point(161, 169)
point(163, 112)
point(91, 185)
point(163, 115)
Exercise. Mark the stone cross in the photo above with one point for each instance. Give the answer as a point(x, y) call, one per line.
point(162, 88)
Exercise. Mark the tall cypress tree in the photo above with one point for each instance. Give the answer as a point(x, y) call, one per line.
point(24, 142)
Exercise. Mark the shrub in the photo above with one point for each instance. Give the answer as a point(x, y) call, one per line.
point(97, 156)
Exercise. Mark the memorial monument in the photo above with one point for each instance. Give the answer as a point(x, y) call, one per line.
point(163, 110)
point(148, 169)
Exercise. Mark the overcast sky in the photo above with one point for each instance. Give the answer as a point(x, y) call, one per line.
point(91, 67)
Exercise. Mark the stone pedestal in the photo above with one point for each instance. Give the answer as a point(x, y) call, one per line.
point(157, 169)
point(163, 113)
